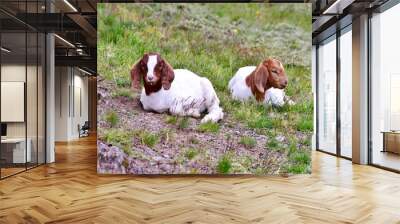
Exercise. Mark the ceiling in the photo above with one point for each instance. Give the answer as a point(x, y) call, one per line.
point(74, 22)
point(330, 15)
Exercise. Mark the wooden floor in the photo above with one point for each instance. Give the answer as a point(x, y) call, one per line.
point(70, 191)
point(10, 171)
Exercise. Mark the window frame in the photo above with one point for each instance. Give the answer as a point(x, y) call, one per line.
point(337, 34)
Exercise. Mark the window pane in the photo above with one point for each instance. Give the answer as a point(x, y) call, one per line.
point(41, 98)
point(346, 93)
point(386, 89)
point(327, 96)
point(31, 97)
point(13, 86)
point(22, 88)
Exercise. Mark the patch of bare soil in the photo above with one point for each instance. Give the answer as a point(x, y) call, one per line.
point(179, 150)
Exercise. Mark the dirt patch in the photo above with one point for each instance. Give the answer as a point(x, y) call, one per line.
point(179, 148)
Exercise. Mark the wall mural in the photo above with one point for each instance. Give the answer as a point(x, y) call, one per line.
point(204, 89)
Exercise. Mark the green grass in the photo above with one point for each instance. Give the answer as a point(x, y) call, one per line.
point(292, 146)
point(260, 122)
point(306, 142)
point(122, 92)
point(299, 162)
point(298, 168)
point(224, 165)
point(112, 118)
point(248, 142)
point(171, 119)
point(272, 144)
point(183, 123)
point(149, 139)
point(266, 13)
point(299, 159)
point(208, 127)
point(221, 38)
point(122, 139)
point(305, 125)
point(191, 153)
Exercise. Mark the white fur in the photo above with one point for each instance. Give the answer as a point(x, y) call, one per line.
point(240, 90)
point(275, 97)
point(189, 95)
point(237, 85)
point(151, 64)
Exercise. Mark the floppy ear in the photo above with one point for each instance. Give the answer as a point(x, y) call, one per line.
point(167, 75)
point(135, 75)
point(261, 77)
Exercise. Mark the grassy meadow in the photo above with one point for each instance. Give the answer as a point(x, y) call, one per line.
point(212, 40)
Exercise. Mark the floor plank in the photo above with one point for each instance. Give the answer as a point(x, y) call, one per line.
point(70, 191)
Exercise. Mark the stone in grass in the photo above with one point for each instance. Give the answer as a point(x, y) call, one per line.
point(280, 138)
point(136, 167)
point(165, 167)
point(110, 159)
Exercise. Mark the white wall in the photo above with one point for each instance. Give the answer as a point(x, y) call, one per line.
point(71, 87)
point(80, 109)
point(13, 101)
point(62, 81)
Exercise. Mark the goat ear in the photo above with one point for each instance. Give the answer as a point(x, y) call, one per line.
point(167, 75)
point(261, 78)
point(136, 75)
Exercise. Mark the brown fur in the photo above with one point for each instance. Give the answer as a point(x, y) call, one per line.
point(167, 75)
point(152, 88)
point(258, 82)
point(135, 75)
point(269, 73)
point(163, 74)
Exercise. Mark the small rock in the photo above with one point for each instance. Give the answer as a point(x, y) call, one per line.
point(165, 167)
point(280, 138)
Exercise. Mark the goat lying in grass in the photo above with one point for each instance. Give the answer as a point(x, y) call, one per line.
point(179, 91)
point(264, 82)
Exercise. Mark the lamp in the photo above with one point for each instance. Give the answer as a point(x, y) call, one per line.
point(64, 40)
point(84, 71)
point(70, 5)
point(5, 50)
